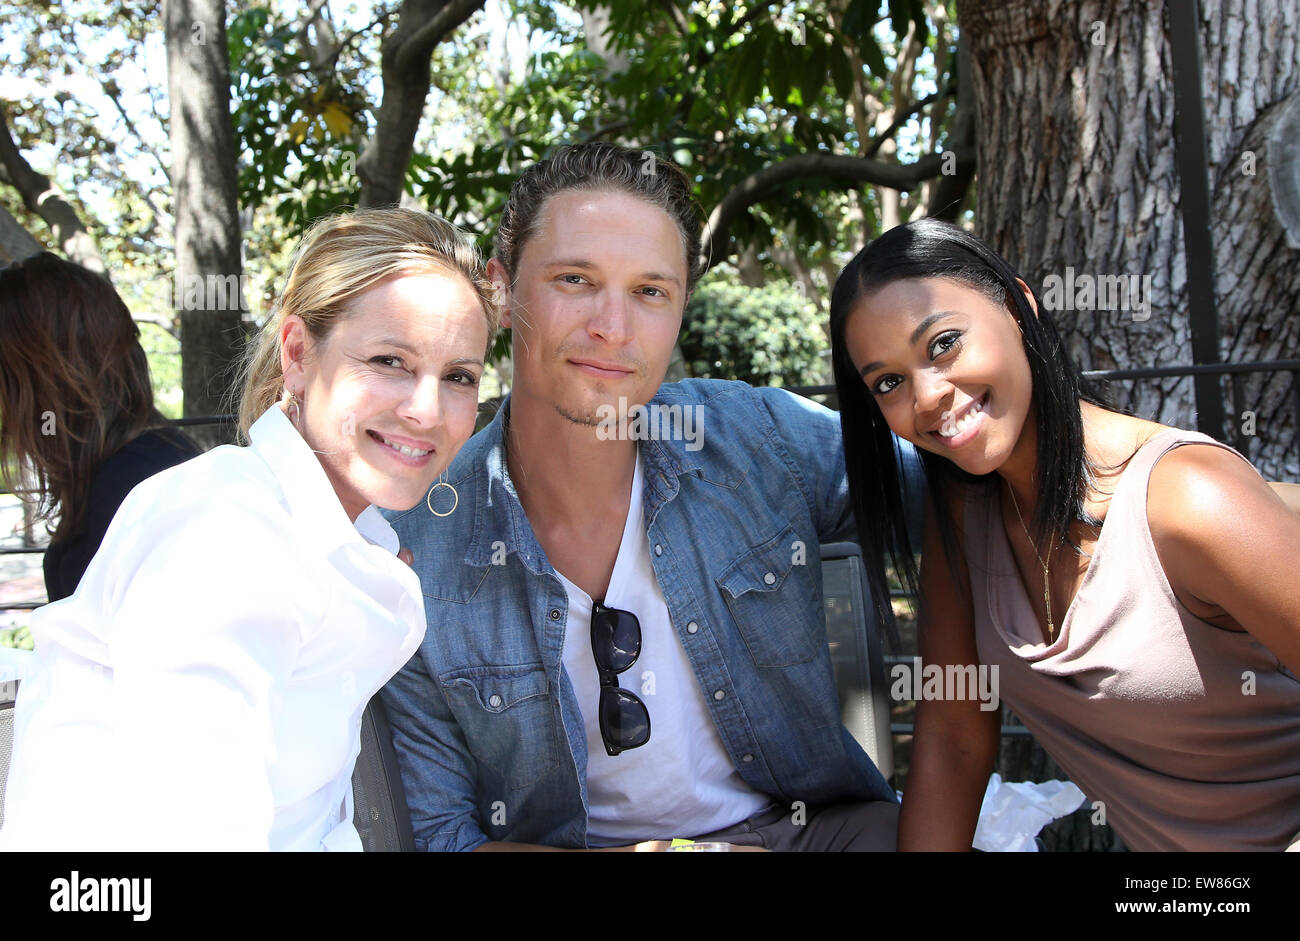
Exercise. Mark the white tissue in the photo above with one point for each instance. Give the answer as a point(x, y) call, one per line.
point(1014, 812)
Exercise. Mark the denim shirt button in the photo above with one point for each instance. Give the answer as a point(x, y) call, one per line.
point(555, 614)
point(659, 550)
point(494, 701)
point(769, 579)
point(692, 628)
point(746, 757)
point(719, 694)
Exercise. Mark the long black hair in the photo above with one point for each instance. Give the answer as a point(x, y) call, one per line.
point(928, 248)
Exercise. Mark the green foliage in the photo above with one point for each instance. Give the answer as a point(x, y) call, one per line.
point(298, 128)
point(766, 336)
point(724, 88)
point(163, 351)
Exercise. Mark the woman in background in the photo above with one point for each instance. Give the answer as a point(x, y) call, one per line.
point(204, 687)
point(1134, 584)
point(76, 407)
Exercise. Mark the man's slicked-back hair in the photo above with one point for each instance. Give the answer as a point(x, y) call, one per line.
point(599, 166)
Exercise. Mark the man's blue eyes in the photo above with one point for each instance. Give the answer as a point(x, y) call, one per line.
point(579, 279)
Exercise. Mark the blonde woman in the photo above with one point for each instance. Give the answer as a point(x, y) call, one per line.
point(203, 687)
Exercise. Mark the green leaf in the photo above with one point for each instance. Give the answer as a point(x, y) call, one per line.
point(841, 72)
point(858, 18)
point(874, 58)
point(813, 77)
point(778, 76)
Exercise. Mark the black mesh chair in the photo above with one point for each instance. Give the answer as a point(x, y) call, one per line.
point(379, 802)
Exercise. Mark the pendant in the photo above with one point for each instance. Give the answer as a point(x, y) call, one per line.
point(1047, 603)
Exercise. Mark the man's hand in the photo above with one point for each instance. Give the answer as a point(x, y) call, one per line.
point(405, 555)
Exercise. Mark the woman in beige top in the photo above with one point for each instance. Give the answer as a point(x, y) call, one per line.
point(1133, 585)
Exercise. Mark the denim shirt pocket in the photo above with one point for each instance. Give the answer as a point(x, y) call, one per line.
point(507, 716)
point(772, 601)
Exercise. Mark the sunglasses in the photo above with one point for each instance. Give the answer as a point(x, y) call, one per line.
point(616, 644)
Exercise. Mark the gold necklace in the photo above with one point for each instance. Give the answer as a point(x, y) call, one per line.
point(1047, 584)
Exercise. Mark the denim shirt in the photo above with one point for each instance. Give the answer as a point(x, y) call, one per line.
point(488, 731)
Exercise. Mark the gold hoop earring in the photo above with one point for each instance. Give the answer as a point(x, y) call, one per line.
point(455, 497)
point(294, 411)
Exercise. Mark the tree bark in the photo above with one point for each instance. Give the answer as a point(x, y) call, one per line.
point(207, 282)
point(1078, 169)
point(16, 243)
point(421, 25)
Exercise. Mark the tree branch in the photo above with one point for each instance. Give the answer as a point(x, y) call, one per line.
point(308, 18)
point(320, 52)
point(606, 129)
point(351, 37)
point(850, 170)
point(166, 324)
point(112, 91)
point(900, 120)
point(44, 198)
point(683, 28)
point(420, 44)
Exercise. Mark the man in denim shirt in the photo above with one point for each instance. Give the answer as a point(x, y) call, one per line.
point(679, 543)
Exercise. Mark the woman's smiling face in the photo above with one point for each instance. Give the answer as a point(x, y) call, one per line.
point(389, 397)
point(946, 365)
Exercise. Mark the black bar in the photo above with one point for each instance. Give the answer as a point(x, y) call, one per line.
point(206, 420)
point(1295, 388)
point(1194, 199)
point(1153, 372)
point(1008, 731)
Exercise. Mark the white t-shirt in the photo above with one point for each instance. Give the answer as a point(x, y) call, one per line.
point(681, 782)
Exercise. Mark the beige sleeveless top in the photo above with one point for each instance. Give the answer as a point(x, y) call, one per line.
point(1146, 706)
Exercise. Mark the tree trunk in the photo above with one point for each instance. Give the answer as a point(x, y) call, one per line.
point(207, 286)
point(422, 24)
point(1078, 170)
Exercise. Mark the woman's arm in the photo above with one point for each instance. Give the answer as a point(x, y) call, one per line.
point(955, 743)
point(1226, 539)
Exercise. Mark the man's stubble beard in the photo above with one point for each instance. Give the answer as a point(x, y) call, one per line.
point(589, 420)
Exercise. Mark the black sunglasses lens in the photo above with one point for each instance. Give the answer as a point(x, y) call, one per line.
point(615, 639)
point(624, 719)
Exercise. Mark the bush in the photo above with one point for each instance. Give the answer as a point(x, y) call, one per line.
point(766, 336)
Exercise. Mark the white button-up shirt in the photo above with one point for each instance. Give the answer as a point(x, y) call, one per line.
point(203, 687)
